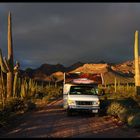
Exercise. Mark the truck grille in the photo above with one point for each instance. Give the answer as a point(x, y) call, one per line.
point(83, 103)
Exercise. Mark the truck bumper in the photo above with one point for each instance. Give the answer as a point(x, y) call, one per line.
point(94, 109)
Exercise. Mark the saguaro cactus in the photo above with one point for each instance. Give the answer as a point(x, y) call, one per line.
point(136, 60)
point(7, 65)
point(10, 59)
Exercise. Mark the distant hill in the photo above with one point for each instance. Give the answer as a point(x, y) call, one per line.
point(124, 72)
point(93, 68)
point(74, 66)
point(108, 73)
point(126, 68)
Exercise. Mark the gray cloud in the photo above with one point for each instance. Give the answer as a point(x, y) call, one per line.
point(70, 32)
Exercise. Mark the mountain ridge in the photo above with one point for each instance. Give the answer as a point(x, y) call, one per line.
point(48, 72)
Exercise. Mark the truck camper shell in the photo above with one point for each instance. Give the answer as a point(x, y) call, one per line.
point(83, 78)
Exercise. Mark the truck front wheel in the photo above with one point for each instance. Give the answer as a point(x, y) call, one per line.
point(69, 112)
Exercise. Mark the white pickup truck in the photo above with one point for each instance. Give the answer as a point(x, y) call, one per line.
point(80, 94)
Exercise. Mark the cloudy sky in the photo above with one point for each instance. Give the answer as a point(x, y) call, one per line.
point(69, 32)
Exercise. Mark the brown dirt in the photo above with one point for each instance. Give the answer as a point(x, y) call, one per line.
point(51, 121)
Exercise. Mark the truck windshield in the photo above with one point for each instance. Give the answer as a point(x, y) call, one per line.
point(83, 90)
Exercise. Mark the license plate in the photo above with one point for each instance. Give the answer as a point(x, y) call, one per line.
point(94, 111)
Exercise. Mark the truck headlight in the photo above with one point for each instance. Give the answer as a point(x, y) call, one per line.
point(96, 102)
point(71, 102)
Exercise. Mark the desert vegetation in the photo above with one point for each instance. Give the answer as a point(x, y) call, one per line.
point(121, 101)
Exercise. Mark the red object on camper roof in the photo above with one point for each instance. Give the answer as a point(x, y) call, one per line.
point(91, 77)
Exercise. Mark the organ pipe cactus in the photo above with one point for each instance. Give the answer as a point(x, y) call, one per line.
point(136, 61)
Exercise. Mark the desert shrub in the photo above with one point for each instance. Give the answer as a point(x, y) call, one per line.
point(128, 102)
point(128, 90)
point(137, 99)
point(39, 95)
point(101, 90)
point(127, 110)
point(123, 115)
point(12, 107)
point(115, 108)
point(132, 112)
point(134, 120)
point(109, 89)
point(13, 104)
point(18, 104)
point(54, 92)
point(50, 91)
point(29, 105)
point(46, 99)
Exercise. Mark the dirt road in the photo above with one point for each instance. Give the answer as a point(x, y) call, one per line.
point(52, 122)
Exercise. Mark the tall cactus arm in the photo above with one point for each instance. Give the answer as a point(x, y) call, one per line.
point(10, 43)
point(2, 64)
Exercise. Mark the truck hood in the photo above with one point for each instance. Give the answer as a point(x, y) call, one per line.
point(83, 97)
